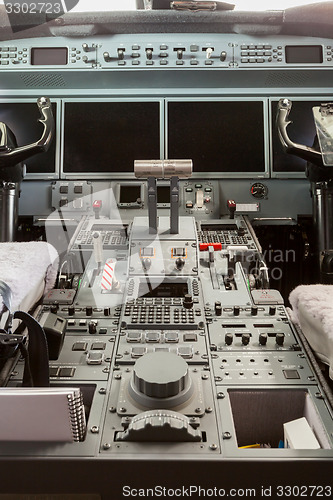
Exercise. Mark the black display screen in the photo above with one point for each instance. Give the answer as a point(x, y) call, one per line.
point(129, 194)
point(219, 227)
point(107, 137)
point(22, 119)
point(306, 54)
point(163, 194)
point(301, 130)
point(46, 56)
point(217, 136)
point(165, 289)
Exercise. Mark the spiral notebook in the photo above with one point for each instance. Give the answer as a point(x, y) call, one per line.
point(42, 414)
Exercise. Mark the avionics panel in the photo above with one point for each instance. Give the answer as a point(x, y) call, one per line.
point(302, 130)
point(23, 120)
point(219, 136)
point(105, 137)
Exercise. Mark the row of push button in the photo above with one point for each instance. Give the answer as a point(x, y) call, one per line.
point(164, 62)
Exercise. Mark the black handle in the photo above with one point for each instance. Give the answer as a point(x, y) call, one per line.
point(11, 155)
point(300, 150)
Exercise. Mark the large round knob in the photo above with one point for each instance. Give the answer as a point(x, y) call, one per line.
point(160, 374)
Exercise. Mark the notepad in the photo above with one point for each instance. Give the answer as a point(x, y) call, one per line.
point(42, 414)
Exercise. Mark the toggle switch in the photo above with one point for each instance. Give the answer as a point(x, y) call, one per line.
point(218, 308)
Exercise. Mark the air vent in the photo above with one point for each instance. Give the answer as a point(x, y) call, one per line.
point(45, 80)
point(286, 79)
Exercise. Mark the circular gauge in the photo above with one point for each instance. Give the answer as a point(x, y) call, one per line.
point(259, 190)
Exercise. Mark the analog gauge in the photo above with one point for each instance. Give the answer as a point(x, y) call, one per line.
point(259, 190)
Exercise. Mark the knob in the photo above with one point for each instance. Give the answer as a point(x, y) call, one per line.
point(146, 264)
point(107, 57)
point(172, 378)
point(223, 55)
point(241, 231)
point(85, 59)
point(188, 302)
point(85, 47)
point(107, 311)
point(263, 339)
point(89, 310)
point(54, 308)
point(149, 53)
point(71, 310)
point(229, 338)
point(218, 308)
point(279, 338)
point(245, 338)
point(92, 328)
point(236, 310)
point(272, 310)
point(254, 310)
point(180, 263)
point(120, 53)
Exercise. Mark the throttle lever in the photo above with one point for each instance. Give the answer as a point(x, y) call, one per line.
point(11, 156)
point(300, 150)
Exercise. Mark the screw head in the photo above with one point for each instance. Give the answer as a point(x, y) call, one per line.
point(106, 446)
point(213, 446)
point(94, 429)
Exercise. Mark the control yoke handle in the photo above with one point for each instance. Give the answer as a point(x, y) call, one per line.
point(10, 155)
point(300, 150)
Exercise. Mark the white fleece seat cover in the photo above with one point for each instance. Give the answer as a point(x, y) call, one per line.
point(29, 269)
point(313, 312)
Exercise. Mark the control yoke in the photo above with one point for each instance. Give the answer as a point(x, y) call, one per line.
point(163, 169)
point(11, 156)
point(305, 152)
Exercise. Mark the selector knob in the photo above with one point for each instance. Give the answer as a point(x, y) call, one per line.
point(229, 338)
point(71, 310)
point(107, 311)
point(107, 57)
point(92, 328)
point(54, 308)
point(236, 310)
point(263, 339)
point(279, 338)
point(254, 310)
point(245, 338)
point(180, 263)
point(218, 308)
point(89, 311)
point(85, 47)
point(146, 264)
point(188, 302)
point(272, 310)
point(241, 231)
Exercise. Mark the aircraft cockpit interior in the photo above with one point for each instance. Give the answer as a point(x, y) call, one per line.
point(166, 249)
